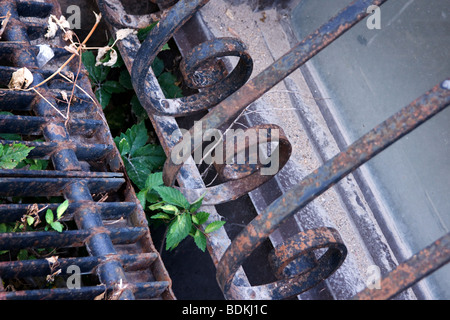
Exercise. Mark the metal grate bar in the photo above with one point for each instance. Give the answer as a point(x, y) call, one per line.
point(34, 268)
point(108, 210)
point(72, 159)
point(141, 291)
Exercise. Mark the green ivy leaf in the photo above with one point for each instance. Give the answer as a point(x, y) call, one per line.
point(33, 164)
point(125, 79)
point(160, 216)
point(142, 195)
point(156, 206)
point(57, 226)
point(30, 220)
point(136, 136)
point(178, 230)
point(197, 204)
point(49, 216)
point(113, 87)
point(157, 66)
point(167, 82)
point(22, 255)
point(103, 97)
point(88, 60)
point(143, 33)
point(200, 218)
point(213, 226)
point(61, 209)
point(154, 180)
point(172, 196)
point(138, 109)
point(97, 74)
point(170, 209)
point(140, 159)
point(11, 156)
point(124, 147)
point(200, 240)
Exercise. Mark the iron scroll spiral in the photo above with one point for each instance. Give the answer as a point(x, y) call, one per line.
point(213, 85)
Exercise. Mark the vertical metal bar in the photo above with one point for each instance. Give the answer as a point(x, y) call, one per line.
point(100, 244)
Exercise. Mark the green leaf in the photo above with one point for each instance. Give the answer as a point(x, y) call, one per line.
point(156, 206)
point(143, 33)
point(152, 197)
point(173, 196)
point(140, 159)
point(160, 216)
point(30, 220)
point(200, 240)
point(11, 136)
point(138, 168)
point(124, 147)
point(11, 156)
point(88, 60)
point(101, 73)
point(200, 218)
point(49, 216)
point(153, 154)
point(22, 255)
point(170, 209)
point(142, 195)
point(165, 47)
point(33, 164)
point(197, 204)
point(154, 180)
point(178, 230)
point(213, 226)
point(136, 137)
point(103, 97)
point(125, 79)
point(3, 228)
point(157, 66)
point(57, 226)
point(167, 82)
point(113, 87)
point(61, 209)
point(97, 74)
point(138, 109)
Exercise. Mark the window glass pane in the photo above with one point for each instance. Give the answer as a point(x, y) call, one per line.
point(369, 74)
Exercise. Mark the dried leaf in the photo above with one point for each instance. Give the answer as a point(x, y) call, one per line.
point(72, 48)
point(64, 96)
point(51, 29)
point(68, 35)
point(229, 14)
point(51, 277)
point(98, 17)
point(123, 33)
point(63, 23)
point(21, 79)
point(101, 55)
point(101, 296)
point(52, 260)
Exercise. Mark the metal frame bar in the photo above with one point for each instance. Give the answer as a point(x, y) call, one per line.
point(70, 179)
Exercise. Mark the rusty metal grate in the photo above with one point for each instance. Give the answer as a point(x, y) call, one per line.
point(221, 104)
point(107, 237)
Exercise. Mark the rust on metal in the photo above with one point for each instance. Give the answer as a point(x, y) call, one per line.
point(411, 271)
